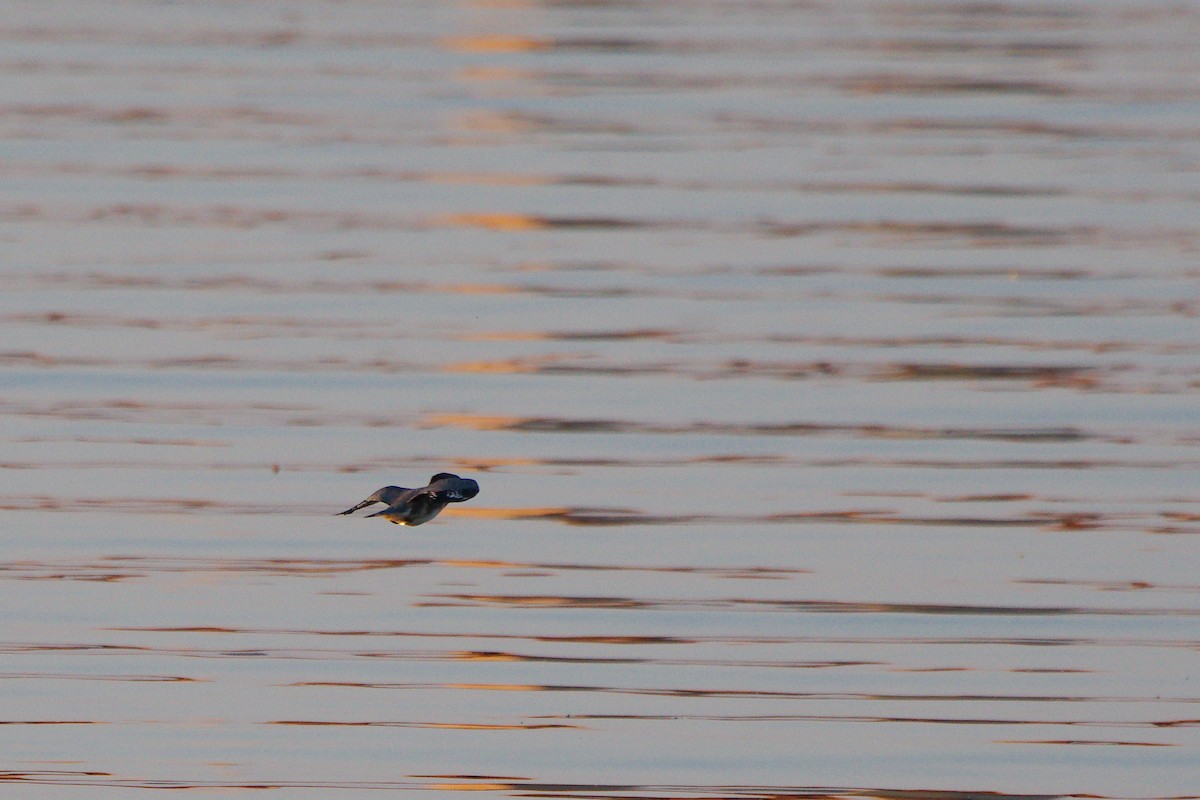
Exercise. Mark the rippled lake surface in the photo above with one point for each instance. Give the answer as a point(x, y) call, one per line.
point(830, 371)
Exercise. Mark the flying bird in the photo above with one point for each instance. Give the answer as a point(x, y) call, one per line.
point(417, 506)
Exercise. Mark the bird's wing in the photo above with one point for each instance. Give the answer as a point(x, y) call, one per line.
point(388, 495)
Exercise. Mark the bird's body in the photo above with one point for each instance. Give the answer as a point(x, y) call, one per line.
point(417, 506)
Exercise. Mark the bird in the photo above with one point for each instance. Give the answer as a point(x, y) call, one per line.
point(414, 507)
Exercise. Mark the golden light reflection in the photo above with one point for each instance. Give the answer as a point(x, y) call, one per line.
point(488, 464)
point(532, 512)
point(495, 44)
point(493, 73)
point(498, 122)
point(512, 366)
point(493, 221)
point(478, 288)
point(476, 422)
point(480, 564)
point(475, 655)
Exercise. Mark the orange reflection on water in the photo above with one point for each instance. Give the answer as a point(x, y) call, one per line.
point(495, 73)
point(493, 222)
point(494, 44)
point(477, 288)
point(476, 422)
point(511, 366)
point(497, 221)
point(494, 655)
point(534, 512)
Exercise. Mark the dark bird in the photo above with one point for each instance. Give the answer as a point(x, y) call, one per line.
point(416, 506)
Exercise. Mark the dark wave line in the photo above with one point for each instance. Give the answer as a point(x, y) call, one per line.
point(526, 787)
point(468, 726)
point(795, 606)
point(118, 567)
point(1056, 375)
point(752, 694)
point(753, 460)
point(205, 172)
point(82, 676)
point(658, 639)
point(1116, 723)
point(1061, 434)
point(1162, 522)
point(239, 217)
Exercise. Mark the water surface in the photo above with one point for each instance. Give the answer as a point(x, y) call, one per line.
point(829, 372)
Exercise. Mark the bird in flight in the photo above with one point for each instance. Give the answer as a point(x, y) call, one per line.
point(417, 506)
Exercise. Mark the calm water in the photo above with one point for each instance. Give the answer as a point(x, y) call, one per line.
point(830, 371)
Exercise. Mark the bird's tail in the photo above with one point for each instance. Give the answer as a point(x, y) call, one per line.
point(388, 510)
point(393, 514)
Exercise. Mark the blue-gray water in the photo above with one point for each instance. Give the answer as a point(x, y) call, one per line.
point(830, 371)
